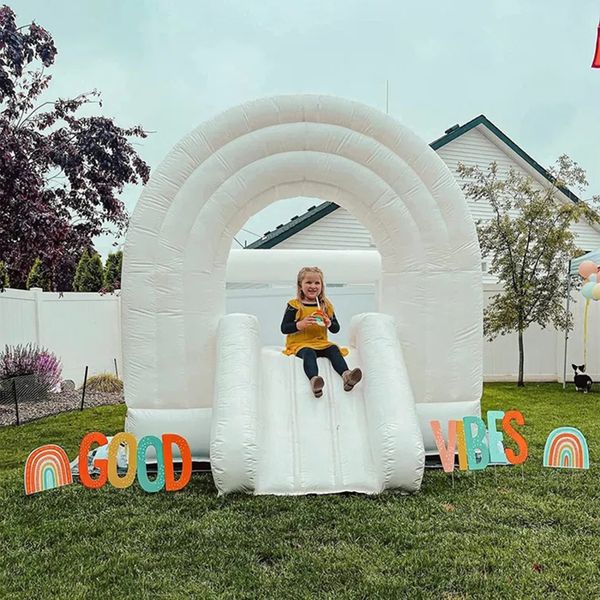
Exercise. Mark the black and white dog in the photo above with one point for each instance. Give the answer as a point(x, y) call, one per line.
point(583, 383)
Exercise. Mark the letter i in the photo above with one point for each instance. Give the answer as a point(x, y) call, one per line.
point(463, 465)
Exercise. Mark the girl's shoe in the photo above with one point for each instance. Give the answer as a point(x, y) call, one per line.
point(317, 384)
point(351, 378)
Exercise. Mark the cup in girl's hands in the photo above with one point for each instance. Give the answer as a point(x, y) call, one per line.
point(319, 318)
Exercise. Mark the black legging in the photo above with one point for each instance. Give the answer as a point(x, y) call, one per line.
point(309, 356)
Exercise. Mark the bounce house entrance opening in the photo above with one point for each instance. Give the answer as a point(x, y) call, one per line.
point(260, 282)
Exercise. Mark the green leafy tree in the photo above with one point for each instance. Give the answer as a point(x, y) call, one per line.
point(529, 243)
point(89, 272)
point(81, 271)
point(95, 274)
point(4, 280)
point(112, 271)
point(39, 276)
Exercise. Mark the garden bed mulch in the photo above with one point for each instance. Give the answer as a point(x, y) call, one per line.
point(56, 403)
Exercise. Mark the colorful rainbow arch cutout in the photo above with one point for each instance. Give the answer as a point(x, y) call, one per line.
point(566, 447)
point(47, 467)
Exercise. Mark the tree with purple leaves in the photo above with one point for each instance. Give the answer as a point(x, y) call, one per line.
point(60, 174)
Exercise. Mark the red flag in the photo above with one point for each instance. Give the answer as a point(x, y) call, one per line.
point(596, 61)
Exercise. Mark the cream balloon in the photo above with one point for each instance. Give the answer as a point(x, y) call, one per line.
point(596, 292)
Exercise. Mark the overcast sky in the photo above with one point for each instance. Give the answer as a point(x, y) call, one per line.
point(171, 65)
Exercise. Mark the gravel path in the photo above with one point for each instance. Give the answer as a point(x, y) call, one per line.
point(55, 404)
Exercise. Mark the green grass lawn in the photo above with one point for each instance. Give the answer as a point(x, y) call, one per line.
point(509, 532)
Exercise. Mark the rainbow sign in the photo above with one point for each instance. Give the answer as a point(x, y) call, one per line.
point(47, 467)
point(566, 448)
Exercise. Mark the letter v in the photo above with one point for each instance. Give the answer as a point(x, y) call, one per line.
point(446, 453)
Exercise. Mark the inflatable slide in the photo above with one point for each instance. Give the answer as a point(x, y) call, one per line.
point(271, 436)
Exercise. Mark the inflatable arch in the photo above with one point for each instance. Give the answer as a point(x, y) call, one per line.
point(189, 369)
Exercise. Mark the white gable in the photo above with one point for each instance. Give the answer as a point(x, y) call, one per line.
point(339, 230)
point(480, 146)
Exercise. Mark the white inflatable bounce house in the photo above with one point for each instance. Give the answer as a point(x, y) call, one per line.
point(191, 369)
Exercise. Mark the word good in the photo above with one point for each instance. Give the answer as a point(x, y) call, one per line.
point(478, 445)
point(136, 463)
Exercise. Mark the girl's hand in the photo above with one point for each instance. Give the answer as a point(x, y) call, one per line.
point(306, 322)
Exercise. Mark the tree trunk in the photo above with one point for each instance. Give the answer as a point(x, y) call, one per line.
point(520, 382)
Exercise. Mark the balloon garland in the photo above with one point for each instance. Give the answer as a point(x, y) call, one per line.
point(588, 269)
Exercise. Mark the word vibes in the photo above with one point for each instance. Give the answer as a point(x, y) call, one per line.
point(478, 445)
point(48, 466)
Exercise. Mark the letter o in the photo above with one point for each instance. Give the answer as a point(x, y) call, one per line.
point(113, 450)
point(157, 484)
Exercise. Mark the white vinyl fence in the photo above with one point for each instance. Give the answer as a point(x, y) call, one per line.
point(80, 328)
point(85, 329)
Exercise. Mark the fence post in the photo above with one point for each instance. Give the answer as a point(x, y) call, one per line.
point(14, 387)
point(38, 298)
point(116, 368)
point(119, 327)
point(84, 384)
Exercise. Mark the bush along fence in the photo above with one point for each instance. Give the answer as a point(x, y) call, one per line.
point(24, 398)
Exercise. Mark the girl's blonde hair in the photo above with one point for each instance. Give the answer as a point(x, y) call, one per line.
point(304, 271)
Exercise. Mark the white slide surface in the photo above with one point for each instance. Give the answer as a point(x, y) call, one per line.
point(271, 436)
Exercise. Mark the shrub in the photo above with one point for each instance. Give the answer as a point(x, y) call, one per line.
point(80, 270)
point(112, 272)
point(105, 382)
point(39, 276)
point(95, 273)
point(16, 361)
point(4, 280)
point(88, 276)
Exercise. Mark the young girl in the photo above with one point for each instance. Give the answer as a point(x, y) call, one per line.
point(305, 323)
